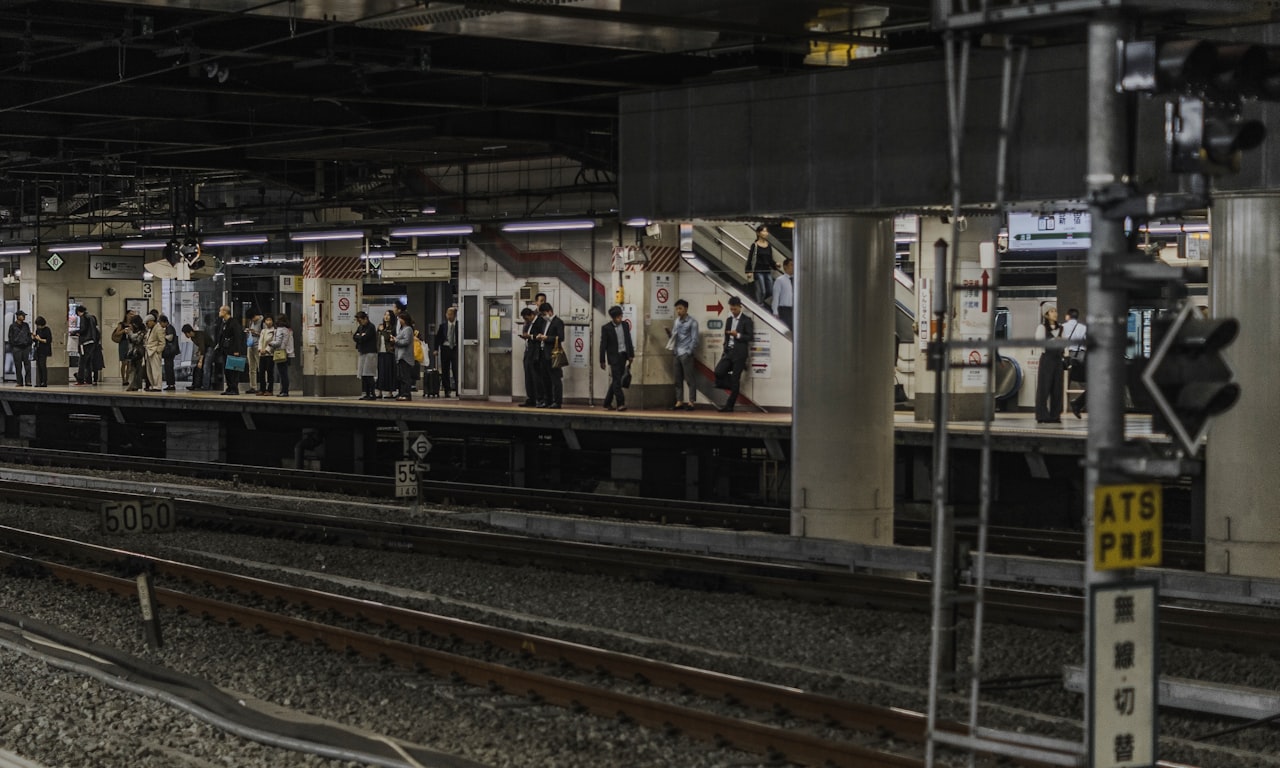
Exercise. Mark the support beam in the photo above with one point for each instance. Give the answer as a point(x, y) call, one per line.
point(842, 427)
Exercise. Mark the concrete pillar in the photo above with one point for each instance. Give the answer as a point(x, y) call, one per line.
point(968, 386)
point(1243, 465)
point(842, 426)
point(326, 362)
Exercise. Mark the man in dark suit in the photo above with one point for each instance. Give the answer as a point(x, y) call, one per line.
point(531, 325)
point(617, 350)
point(552, 332)
point(231, 340)
point(738, 333)
point(89, 337)
point(447, 349)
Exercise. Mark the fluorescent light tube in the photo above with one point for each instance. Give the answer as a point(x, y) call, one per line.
point(439, 253)
point(434, 230)
point(15, 251)
point(234, 240)
point(143, 245)
point(73, 247)
point(549, 225)
point(331, 234)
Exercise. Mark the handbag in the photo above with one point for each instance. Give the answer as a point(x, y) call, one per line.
point(236, 363)
point(558, 358)
point(280, 356)
point(626, 378)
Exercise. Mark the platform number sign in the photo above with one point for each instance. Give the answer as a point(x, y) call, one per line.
point(138, 516)
point(406, 479)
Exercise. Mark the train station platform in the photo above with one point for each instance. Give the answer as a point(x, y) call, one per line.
point(703, 454)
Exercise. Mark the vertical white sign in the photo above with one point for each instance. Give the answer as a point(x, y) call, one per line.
point(974, 304)
point(343, 305)
point(578, 337)
point(924, 310)
point(664, 299)
point(1122, 723)
point(760, 354)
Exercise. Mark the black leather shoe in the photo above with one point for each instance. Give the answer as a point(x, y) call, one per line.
point(527, 404)
point(725, 409)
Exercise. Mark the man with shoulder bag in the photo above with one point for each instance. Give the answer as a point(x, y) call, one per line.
point(1076, 334)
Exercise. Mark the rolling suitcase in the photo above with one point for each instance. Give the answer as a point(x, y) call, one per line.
point(431, 383)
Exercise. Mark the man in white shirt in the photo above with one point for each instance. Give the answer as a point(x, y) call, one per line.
point(1075, 333)
point(784, 293)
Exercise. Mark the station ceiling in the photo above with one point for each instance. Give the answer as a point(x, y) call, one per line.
point(106, 104)
point(125, 105)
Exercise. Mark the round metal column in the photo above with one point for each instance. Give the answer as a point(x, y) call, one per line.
point(1243, 465)
point(842, 425)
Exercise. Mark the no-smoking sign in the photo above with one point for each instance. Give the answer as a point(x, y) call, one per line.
point(343, 300)
point(663, 296)
point(579, 345)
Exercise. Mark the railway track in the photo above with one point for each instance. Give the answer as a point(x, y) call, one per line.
point(1062, 545)
point(811, 743)
point(822, 585)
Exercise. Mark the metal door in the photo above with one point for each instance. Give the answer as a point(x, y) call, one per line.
point(497, 338)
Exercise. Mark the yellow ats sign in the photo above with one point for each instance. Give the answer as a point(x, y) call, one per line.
point(1126, 526)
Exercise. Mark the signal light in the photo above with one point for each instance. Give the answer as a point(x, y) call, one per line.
point(1208, 138)
point(1204, 68)
point(1187, 377)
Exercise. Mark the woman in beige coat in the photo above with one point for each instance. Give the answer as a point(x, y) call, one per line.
point(155, 351)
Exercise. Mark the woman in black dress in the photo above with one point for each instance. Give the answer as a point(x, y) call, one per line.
point(387, 355)
point(1049, 379)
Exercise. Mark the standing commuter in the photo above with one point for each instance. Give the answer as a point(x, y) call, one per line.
point(217, 358)
point(1049, 378)
point(155, 351)
point(282, 339)
point(447, 351)
point(120, 336)
point(252, 340)
point(1076, 332)
point(387, 355)
point(44, 348)
point(531, 395)
point(617, 350)
point(760, 264)
point(202, 361)
point(738, 333)
point(404, 356)
point(266, 357)
point(230, 344)
point(20, 347)
point(684, 345)
point(170, 354)
point(89, 339)
point(366, 339)
point(552, 378)
point(137, 336)
point(784, 293)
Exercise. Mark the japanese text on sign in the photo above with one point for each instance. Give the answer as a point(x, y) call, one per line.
point(1123, 682)
point(1126, 526)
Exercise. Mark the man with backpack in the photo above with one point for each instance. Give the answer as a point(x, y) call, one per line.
point(20, 347)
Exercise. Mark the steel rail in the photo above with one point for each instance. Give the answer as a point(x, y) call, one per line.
point(718, 729)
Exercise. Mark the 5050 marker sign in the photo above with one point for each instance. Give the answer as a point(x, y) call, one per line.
point(139, 516)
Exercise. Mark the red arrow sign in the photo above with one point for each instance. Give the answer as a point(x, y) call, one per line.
point(717, 307)
point(986, 281)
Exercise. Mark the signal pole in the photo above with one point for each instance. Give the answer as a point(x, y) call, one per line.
point(1107, 166)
